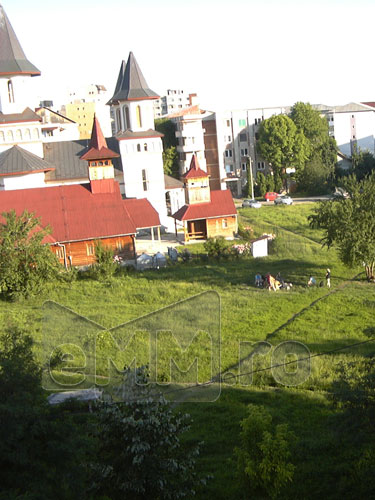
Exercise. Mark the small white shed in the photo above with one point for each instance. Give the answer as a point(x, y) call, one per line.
point(259, 247)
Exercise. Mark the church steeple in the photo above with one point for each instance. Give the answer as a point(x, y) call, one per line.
point(99, 157)
point(131, 84)
point(197, 187)
point(12, 58)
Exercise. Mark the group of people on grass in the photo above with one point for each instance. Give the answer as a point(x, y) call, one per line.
point(271, 283)
point(312, 280)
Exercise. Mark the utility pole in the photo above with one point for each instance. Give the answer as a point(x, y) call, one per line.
point(250, 167)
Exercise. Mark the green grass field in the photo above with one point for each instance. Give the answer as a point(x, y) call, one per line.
point(319, 318)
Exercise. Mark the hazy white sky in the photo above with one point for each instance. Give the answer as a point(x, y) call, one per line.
point(234, 54)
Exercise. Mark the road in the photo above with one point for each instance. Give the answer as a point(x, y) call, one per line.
point(296, 201)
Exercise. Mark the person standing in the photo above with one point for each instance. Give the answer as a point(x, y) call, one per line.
point(328, 278)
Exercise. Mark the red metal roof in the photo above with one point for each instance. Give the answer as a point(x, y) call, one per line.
point(221, 205)
point(142, 213)
point(73, 212)
point(194, 171)
point(98, 149)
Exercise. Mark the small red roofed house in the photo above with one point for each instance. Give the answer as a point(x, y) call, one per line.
point(81, 214)
point(206, 213)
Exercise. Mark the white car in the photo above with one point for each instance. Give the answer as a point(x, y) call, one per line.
point(251, 204)
point(283, 200)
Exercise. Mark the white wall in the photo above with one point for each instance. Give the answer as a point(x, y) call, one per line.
point(24, 92)
point(27, 181)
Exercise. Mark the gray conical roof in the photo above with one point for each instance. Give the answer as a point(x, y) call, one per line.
point(12, 58)
point(131, 84)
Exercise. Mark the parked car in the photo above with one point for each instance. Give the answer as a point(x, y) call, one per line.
point(340, 193)
point(251, 203)
point(283, 200)
point(271, 196)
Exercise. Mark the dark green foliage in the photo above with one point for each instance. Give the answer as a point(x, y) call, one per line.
point(26, 264)
point(168, 128)
point(104, 267)
point(216, 247)
point(261, 184)
point(282, 144)
point(263, 458)
point(322, 159)
point(349, 224)
point(140, 451)
point(171, 162)
point(363, 163)
point(42, 451)
point(270, 183)
point(278, 182)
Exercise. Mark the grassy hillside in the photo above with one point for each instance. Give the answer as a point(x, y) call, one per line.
point(319, 318)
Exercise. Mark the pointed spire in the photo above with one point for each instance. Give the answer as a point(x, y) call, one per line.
point(12, 58)
point(131, 84)
point(194, 171)
point(98, 148)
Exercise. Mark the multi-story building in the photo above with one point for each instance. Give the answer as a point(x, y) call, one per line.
point(84, 103)
point(172, 102)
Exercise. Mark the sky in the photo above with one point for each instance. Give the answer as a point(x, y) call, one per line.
point(234, 54)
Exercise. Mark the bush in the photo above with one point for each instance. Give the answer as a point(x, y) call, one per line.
point(26, 264)
point(105, 266)
point(216, 247)
point(245, 232)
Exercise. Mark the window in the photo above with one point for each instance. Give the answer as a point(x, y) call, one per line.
point(139, 116)
point(243, 137)
point(144, 180)
point(261, 165)
point(10, 136)
point(27, 134)
point(2, 137)
point(138, 148)
point(145, 146)
point(224, 223)
point(228, 153)
point(90, 249)
point(258, 120)
point(242, 123)
point(119, 245)
point(127, 125)
point(18, 135)
point(243, 167)
point(228, 123)
point(244, 152)
point(256, 136)
point(118, 119)
point(10, 91)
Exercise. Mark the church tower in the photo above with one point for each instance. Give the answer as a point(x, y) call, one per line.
point(99, 157)
point(141, 146)
point(15, 70)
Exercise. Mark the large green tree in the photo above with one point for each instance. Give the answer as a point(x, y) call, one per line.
point(26, 264)
point(322, 158)
point(349, 224)
point(282, 144)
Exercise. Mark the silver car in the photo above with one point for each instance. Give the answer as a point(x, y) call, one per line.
point(283, 200)
point(251, 204)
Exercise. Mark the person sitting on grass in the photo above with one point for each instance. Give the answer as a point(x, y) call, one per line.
point(258, 280)
point(312, 281)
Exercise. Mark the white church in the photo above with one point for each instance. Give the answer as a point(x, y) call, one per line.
point(35, 153)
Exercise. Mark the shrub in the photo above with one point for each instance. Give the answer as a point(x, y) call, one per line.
point(216, 247)
point(245, 232)
point(105, 265)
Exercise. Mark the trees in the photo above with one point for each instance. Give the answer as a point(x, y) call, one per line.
point(321, 162)
point(349, 224)
point(43, 452)
point(170, 156)
point(363, 163)
point(140, 453)
point(26, 264)
point(263, 458)
point(282, 144)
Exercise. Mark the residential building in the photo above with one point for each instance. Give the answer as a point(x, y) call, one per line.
point(173, 101)
point(84, 103)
